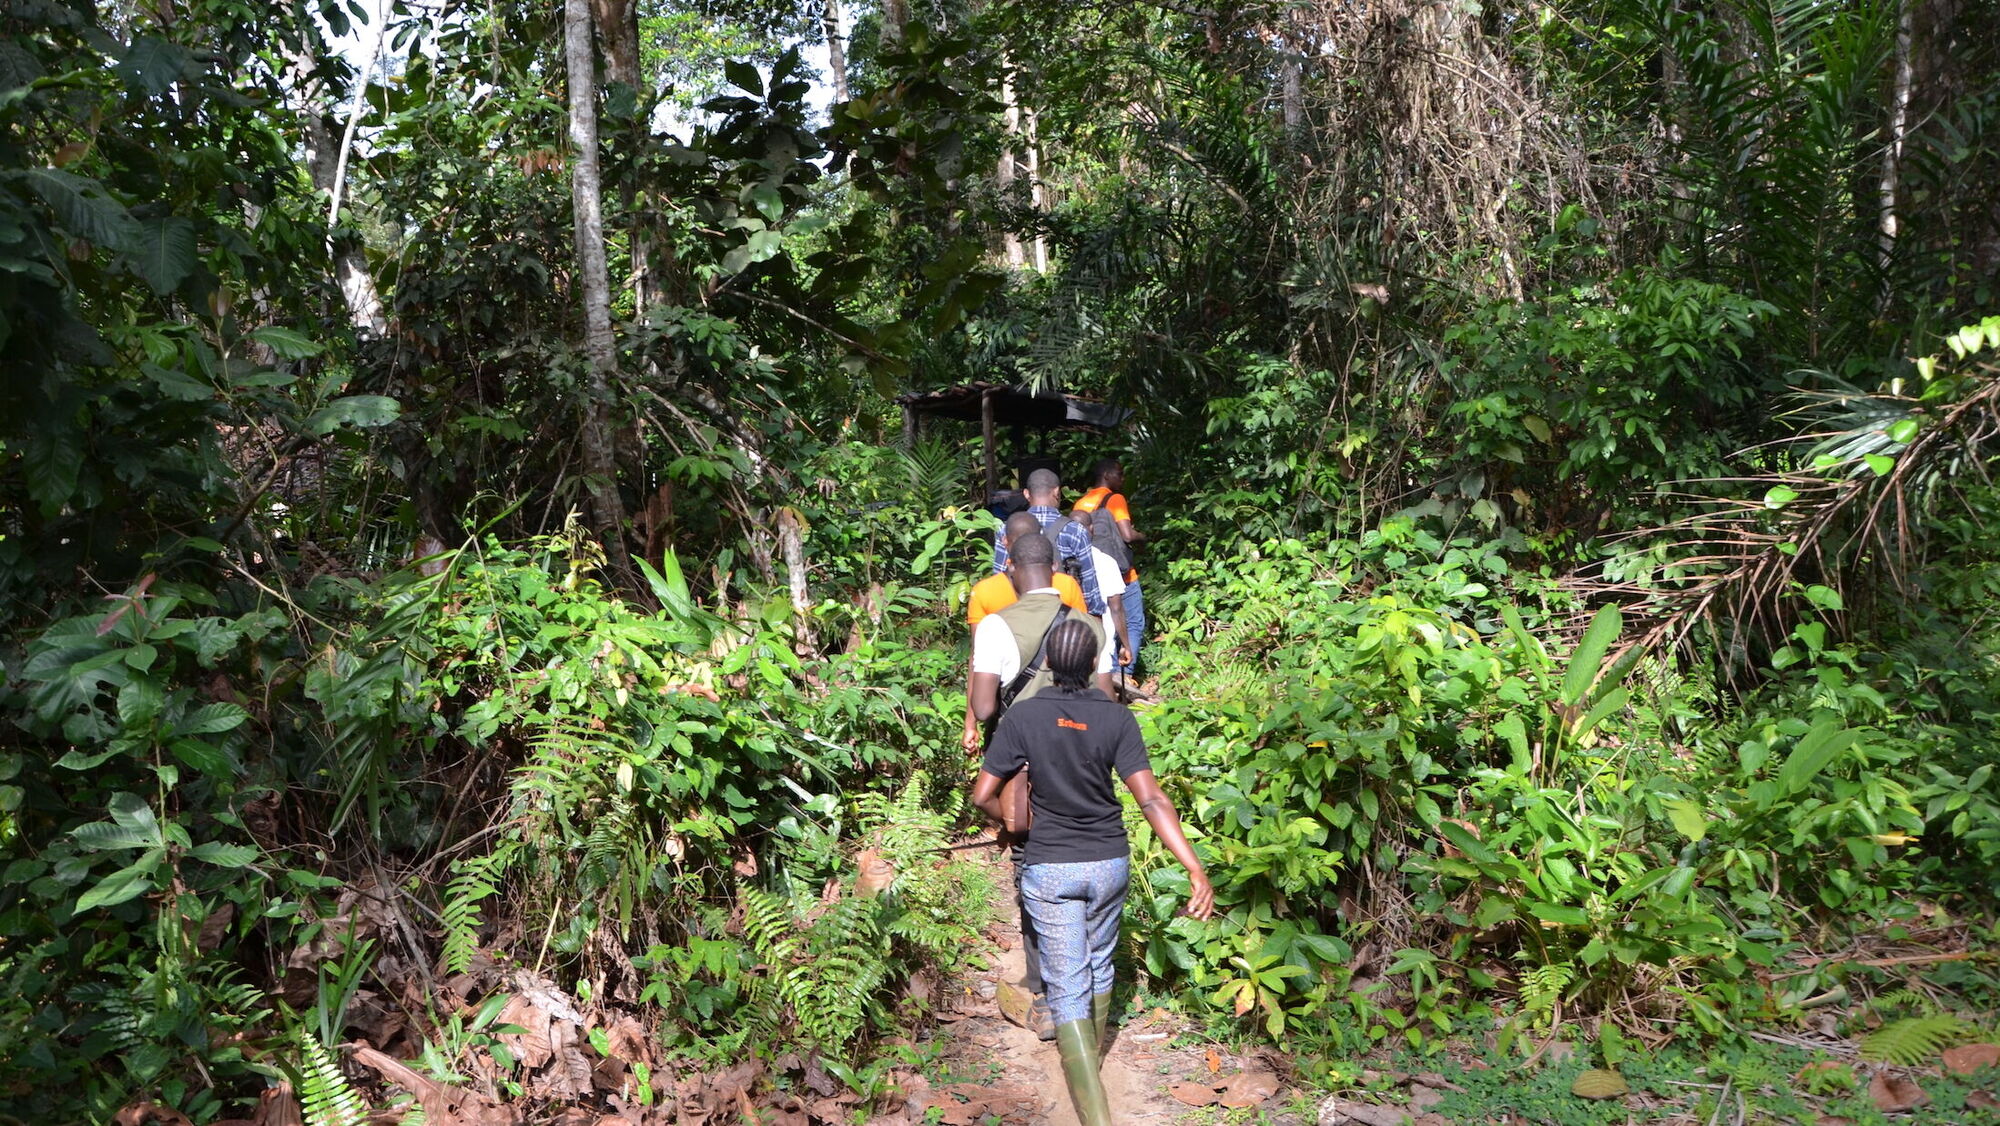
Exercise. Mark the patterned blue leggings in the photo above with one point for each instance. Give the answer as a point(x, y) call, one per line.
point(1075, 908)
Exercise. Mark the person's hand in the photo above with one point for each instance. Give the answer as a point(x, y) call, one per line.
point(969, 738)
point(1124, 652)
point(1201, 897)
point(1006, 838)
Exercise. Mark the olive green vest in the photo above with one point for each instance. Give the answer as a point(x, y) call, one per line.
point(1029, 620)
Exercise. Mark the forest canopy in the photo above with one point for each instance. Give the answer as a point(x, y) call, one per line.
point(464, 558)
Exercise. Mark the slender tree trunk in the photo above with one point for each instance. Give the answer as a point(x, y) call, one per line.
point(791, 543)
point(1295, 109)
point(1037, 190)
point(324, 162)
point(597, 443)
point(836, 50)
point(1892, 153)
point(895, 13)
point(1003, 176)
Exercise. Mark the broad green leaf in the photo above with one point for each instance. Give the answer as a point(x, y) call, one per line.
point(1588, 659)
point(1903, 430)
point(1515, 731)
point(211, 719)
point(670, 586)
point(1813, 752)
point(743, 76)
point(129, 882)
point(162, 252)
point(100, 836)
point(1825, 597)
point(1463, 840)
point(80, 759)
point(224, 855)
point(1688, 818)
point(153, 65)
point(1778, 496)
point(361, 411)
point(1611, 703)
point(1556, 913)
point(1882, 464)
point(175, 384)
point(131, 811)
point(1537, 427)
point(50, 463)
point(286, 343)
point(82, 207)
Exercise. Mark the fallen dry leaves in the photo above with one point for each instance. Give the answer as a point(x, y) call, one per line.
point(1969, 1058)
point(963, 1104)
point(1236, 1090)
point(1894, 1094)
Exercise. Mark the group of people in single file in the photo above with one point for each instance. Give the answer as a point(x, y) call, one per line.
point(1057, 628)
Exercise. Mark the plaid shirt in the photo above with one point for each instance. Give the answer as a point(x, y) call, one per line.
point(1073, 543)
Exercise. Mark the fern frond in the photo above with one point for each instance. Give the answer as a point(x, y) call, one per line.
point(1913, 1040)
point(477, 878)
point(325, 1094)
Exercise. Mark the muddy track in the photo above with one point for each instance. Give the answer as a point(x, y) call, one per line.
point(1136, 1070)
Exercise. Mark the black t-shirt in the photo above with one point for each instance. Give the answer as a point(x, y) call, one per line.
point(1071, 742)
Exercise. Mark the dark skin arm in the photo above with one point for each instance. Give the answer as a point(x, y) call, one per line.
point(1166, 823)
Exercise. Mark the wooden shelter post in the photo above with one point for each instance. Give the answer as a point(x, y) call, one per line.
point(986, 431)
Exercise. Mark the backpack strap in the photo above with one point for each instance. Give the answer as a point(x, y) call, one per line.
point(1022, 679)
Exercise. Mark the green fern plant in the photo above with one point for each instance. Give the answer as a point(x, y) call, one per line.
point(1913, 1040)
point(476, 879)
point(324, 1092)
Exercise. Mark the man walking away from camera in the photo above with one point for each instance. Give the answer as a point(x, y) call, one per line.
point(1107, 492)
point(1072, 541)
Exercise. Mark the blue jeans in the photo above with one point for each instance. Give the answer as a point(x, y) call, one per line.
point(1076, 908)
point(1135, 625)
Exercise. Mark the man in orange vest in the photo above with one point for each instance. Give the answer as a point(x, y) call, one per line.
point(1108, 492)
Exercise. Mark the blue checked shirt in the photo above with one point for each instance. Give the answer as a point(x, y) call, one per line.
point(1074, 543)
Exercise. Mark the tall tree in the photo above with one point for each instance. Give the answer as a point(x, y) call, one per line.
point(597, 442)
point(836, 50)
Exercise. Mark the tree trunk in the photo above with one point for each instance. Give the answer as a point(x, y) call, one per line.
point(836, 51)
point(1003, 176)
point(1037, 191)
point(1892, 153)
point(791, 543)
point(895, 13)
point(617, 23)
point(324, 164)
point(597, 443)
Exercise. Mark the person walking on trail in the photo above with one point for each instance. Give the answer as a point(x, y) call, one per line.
point(996, 592)
point(1107, 492)
point(1070, 739)
point(1110, 578)
point(1010, 665)
point(1072, 542)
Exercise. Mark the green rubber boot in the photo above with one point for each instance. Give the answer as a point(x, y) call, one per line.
point(1100, 1019)
point(1076, 1041)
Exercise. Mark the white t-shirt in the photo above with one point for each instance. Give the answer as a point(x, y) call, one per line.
point(994, 651)
point(1110, 580)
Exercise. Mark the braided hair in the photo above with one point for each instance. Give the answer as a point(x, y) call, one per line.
point(1072, 654)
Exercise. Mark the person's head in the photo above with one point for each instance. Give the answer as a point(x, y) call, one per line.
point(1072, 654)
point(1031, 561)
point(1109, 473)
point(1044, 487)
point(1020, 524)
